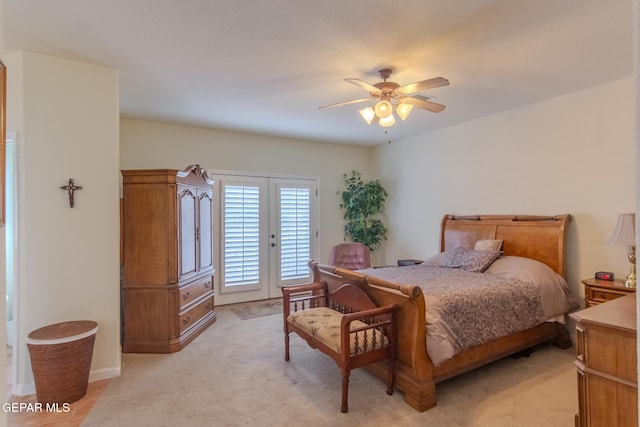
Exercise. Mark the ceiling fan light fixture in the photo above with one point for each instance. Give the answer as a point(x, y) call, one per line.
point(403, 110)
point(387, 122)
point(390, 96)
point(367, 114)
point(383, 109)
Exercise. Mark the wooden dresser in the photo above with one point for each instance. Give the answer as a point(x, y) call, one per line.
point(167, 255)
point(607, 364)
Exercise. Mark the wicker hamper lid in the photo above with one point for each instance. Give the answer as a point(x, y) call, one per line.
point(63, 332)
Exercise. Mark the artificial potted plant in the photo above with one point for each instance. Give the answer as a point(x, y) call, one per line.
point(362, 204)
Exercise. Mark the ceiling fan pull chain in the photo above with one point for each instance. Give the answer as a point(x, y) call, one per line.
point(386, 132)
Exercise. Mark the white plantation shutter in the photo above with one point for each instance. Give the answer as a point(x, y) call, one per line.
point(295, 233)
point(241, 231)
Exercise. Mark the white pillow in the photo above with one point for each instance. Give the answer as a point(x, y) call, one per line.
point(488, 245)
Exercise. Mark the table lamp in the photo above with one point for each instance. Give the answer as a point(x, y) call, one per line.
point(625, 235)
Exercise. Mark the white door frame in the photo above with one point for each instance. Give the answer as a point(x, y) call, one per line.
point(268, 286)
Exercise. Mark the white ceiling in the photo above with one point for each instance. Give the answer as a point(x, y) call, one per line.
point(266, 66)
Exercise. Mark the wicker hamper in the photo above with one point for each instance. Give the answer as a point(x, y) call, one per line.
point(61, 359)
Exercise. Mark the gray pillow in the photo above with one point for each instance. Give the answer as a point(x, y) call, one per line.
point(470, 260)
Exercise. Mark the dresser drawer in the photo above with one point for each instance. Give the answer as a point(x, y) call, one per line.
point(194, 290)
point(611, 352)
point(191, 316)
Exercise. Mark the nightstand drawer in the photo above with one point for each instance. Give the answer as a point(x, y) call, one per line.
point(600, 295)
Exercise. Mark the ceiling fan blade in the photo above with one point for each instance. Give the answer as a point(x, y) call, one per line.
point(364, 85)
point(424, 104)
point(345, 103)
point(423, 85)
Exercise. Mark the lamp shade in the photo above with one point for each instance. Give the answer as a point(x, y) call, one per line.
point(403, 110)
point(367, 114)
point(625, 232)
point(387, 122)
point(383, 109)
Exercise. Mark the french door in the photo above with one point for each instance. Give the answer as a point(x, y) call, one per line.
point(265, 233)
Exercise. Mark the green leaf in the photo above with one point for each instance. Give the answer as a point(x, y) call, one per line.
point(362, 204)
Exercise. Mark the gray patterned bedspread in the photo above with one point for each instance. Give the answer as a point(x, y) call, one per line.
point(465, 309)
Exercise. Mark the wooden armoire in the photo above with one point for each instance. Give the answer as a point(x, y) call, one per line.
point(167, 256)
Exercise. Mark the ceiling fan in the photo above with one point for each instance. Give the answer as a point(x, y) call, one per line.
point(391, 95)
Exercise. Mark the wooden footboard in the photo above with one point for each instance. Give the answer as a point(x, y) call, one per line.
point(416, 375)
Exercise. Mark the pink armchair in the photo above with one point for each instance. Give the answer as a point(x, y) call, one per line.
point(354, 256)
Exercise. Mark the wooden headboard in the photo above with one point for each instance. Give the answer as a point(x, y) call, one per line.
point(538, 237)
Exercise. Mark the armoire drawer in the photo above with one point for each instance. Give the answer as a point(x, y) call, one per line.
point(191, 316)
point(194, 290)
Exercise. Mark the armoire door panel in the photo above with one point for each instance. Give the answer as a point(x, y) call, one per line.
point(187, 217)
point(205, 230)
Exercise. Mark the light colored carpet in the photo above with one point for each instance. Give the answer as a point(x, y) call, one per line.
point(234, 374)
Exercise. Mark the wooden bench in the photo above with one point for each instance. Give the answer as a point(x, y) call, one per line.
point(345, 325)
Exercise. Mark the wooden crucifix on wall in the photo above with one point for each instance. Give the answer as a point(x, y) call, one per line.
point(71, 187)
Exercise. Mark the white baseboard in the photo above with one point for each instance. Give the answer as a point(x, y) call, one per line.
point(10, 333)
point(24, 389)
point(101, 374)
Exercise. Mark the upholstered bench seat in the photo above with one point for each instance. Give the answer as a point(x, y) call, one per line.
point(323, 324)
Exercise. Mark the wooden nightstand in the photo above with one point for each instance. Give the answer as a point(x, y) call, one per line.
point(599, 291)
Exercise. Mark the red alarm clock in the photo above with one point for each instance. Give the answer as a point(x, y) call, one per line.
point(604, 275)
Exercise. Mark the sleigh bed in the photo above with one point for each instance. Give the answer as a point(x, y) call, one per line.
point(524, 238)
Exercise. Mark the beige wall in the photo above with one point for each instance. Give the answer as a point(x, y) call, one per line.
point(147, 144)
point(572, 154)
point(66, 116)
